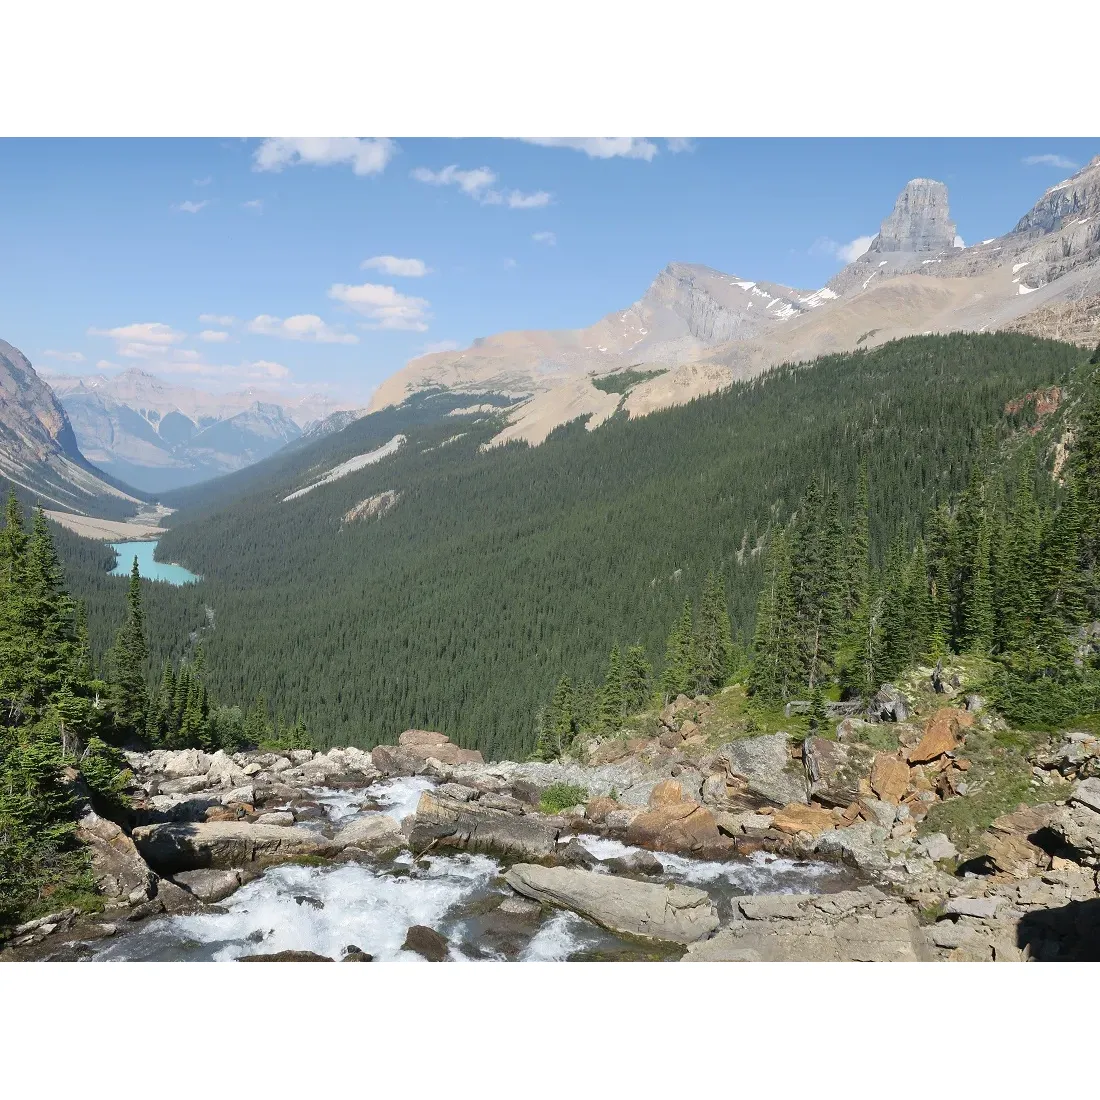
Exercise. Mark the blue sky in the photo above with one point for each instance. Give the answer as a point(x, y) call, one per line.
point(226, 262)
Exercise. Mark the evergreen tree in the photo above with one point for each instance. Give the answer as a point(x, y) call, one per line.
point(128, 658)
point(679, 657)
point(559, 718)
point(612, 709)
point(712, 640)
point(637, 679)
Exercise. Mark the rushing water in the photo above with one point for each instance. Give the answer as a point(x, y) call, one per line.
point(328, 909)
point(150, 568)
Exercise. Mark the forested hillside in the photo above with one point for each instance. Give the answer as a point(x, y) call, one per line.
point(460, 607)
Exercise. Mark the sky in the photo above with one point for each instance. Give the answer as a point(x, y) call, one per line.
point(326, 264)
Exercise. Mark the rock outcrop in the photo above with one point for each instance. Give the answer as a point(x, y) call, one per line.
point(187, 846)
point(451, 823)
point(676, 914)
point(920, 221)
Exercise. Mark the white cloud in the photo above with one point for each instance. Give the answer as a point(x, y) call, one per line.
point(258, 370)
point(438, 346)
point(384, 306)
point(959, 242)
point(367, 156)
point(680, 145)
point(302, 326)
point(254, 204)
point(478, 184)
point(217, 319)
point(396, 266)
point(848, 253)
point(206, 181)
point(1052, 160)
point(602, 147)
point(213, 336)
point(144, 340)
point(545, 237)
point(64, 356)
point(191, 207)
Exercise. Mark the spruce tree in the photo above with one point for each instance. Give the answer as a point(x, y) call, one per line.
point(637, 679)
point(558, 719)
point(612, 710)
point(712, 639)
point(679, 657)
point(128, 658)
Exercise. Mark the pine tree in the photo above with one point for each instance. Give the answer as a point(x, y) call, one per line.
point(46, 615)
point(776, 662)
point(919, 611)
point(257, 726)
point(128, 658)
point(612, 710)
point(679, 658)
point(818, 719)
point(712, 639)
point(637, 679)
point(558, 719)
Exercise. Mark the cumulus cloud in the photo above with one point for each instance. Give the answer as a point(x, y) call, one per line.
point(1052, 160)
point(255, 205)
point(478, 184)
point(64, 356)
point(383, 306)
point(213, 336)
point(302, 326)
point(959, 242)
point(144, 340)
point(191, 207)
point(223, 319)
point(544, 237)
point(396, 266)
point(680, 145)
point(847, 253)
point(602, 147)
point(366, 156)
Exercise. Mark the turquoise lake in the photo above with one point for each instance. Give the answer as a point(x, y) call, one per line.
point(150, 568)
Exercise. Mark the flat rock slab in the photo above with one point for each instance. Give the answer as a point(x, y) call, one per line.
point(469, 825)
point(186, 846)
point(765, 765)
point(378, 831)
point(676, 914)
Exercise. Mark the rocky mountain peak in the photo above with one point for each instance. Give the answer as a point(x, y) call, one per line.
point(920, 221)
point(1075, 198)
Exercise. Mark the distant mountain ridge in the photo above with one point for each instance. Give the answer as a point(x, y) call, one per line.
point(158, 436)
point(39, 454)
point(708, 329)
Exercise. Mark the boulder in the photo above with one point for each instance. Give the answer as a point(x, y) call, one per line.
point(276, 817)
point(391, 760)
point(861, 844)
point(225, 772)
point(888, 705)
point(458, 791)
point(1008, 841)
point(185, 846)
point(835, 770)
point(937, 846)
point(244, 796)
point(186, 762)
point(286, 957)
point(680, 826)
point(422, 738)
point(208, 884)
point(189, 784)
point(1087, 793)
point(889, 777)
point(665, 793)
point(375, 832)
point(764, 768)
point(119, 870)
point(973, 907)
point(598, 808)
point(941, 734)
point(1077, 826)
point(677, 914)
point(450, 823)
point(426, 942)
point(800, 818)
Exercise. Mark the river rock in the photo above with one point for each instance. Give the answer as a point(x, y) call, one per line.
point(470, 825)
point(426, 942)
point(861, 844)
point(763, 765)
point(186, 846)
point(286, 957)
point(375, 832)
point(800, 818)
point(276, 817)
point(392, 760)
point(209, 884)
point(186, 762)
point(682, 826)
point(835, 770)
point(119, 869)
point(225, 772)
point(677, 914)
point(243, 796)
point(421, 738)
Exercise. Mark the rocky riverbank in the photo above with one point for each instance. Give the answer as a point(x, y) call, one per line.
point(673, 842)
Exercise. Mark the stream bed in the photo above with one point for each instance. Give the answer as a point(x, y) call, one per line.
point(326, 909)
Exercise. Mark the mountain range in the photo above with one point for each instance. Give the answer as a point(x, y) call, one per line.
point(696, 330)
point(157, 436)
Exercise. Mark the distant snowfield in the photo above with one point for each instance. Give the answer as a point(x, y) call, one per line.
point(351, 465)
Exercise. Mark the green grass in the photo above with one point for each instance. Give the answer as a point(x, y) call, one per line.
point(999, 779)
point(562, 796)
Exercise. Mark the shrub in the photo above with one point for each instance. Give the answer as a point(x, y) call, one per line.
point(562, 796)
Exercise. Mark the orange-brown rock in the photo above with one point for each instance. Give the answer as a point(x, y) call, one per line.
point(598, 809)
point(796, 817)
point(682, 826)
point(918, 779)
point(422, 737)
point(607, 752)
point(941, 734)
point(666, 793)
point(889, 778)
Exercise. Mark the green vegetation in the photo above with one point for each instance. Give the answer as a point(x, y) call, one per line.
point(562, 796)
point(501, 571)
point(625, 380)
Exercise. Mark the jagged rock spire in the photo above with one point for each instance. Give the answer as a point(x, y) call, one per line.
point(920, 221)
